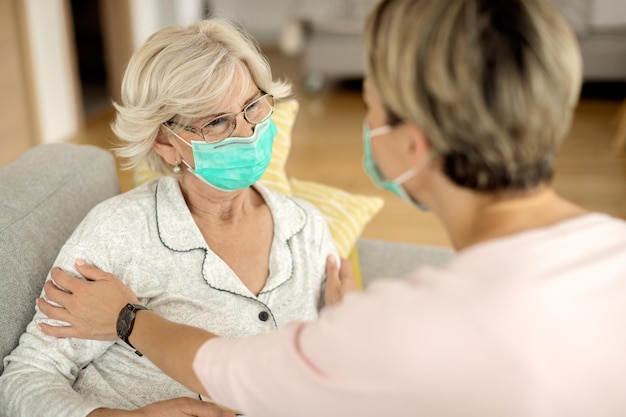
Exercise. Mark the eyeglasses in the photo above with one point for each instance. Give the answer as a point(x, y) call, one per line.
point(223, 126)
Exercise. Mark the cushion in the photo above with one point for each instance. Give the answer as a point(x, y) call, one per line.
point(355, 262)
point(284, 117)
point(346, 213)
point(45, 194)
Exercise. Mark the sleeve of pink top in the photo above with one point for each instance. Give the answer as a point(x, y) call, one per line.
point(388, 351)
point(291, 371)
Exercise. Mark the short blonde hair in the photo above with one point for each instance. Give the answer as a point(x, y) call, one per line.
point(492, 83)
point(184, 72)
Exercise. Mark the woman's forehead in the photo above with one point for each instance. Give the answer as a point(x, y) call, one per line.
point(240, 92)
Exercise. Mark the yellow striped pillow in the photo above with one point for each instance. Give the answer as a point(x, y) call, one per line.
point(283, 117)
point(346, 213)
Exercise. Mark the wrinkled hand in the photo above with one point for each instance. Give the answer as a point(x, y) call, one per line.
point(176, 407)
point(339, 281)
point(90, 306)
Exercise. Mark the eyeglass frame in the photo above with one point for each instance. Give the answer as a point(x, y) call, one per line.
point(199, 133)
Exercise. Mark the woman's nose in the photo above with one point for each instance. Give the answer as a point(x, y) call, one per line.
point(243, 129)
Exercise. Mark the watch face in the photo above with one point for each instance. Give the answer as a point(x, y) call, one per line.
point(124, 322)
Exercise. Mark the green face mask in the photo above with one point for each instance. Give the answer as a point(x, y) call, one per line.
point(234, 163)
point(377, 177)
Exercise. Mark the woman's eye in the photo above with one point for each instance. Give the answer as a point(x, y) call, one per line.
point(220, 121)
point(252, 106)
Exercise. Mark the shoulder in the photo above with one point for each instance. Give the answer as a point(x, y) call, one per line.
point(133, 200)
point(121, 212)
point(590, 245)
point(595, 222)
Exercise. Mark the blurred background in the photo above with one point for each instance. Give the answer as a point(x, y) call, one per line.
point(63, 61)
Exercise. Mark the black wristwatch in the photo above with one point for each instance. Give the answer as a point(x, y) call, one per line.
point(126, 322)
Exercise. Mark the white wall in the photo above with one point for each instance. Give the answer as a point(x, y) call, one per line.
point(49, 31)
point(145, 18)
point(263, 19)
point(608, 14)
point(148, 16)
point(55, 99)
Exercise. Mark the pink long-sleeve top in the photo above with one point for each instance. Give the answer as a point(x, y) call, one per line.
point(533, 324)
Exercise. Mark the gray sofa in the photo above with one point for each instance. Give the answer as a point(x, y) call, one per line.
point(47, 192)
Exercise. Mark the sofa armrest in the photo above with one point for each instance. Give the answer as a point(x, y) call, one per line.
point(386, 259)
point(45, 194)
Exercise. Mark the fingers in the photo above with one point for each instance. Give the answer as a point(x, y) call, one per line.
point(53, 312)
point(348, 283)
point(205, 409)
point(90, 272)
point(63, 286)
point(101, 279)
point(55, 294)
point(332, 269)
point(56, 331)
point(182, 406)
point(57, 313)
point(71, 283)
point(332, 291)
point(346, 269)
point(63, 280)
point(339, 281)
point(89, 306)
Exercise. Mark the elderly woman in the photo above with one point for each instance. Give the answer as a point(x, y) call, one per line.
point(205, 245)
point(468, 102)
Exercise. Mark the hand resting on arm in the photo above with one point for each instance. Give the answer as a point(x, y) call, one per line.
point(91, 308)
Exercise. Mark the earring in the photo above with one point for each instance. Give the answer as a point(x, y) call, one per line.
point(176, 168)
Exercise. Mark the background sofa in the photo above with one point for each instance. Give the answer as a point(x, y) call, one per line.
point(328, 35)
point(45, 194)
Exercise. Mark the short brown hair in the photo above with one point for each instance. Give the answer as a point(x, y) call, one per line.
point(492, 83)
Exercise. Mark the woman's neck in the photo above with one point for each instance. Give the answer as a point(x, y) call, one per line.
point(215, 206)
point(479, 217)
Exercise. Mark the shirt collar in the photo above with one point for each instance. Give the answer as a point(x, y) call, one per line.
point(178, 232)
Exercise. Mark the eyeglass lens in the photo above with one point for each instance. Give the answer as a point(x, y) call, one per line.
point(254, 113)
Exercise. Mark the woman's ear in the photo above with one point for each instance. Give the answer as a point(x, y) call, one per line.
point(164, 148)
point(418, 146)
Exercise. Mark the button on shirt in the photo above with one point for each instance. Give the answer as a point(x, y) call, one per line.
point(148, 238)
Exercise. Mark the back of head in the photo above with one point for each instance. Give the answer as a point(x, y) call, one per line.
point(184, 72)
point(492, 83)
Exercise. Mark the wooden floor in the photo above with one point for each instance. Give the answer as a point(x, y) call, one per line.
point(327, 148)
